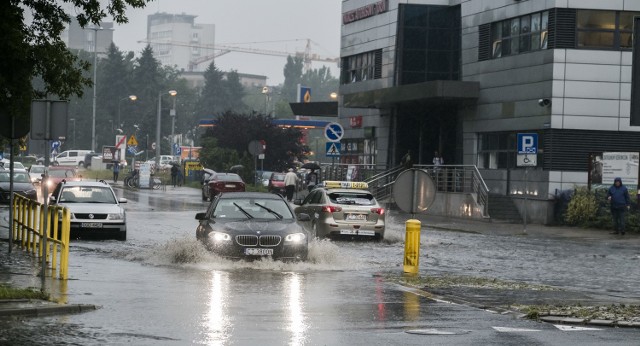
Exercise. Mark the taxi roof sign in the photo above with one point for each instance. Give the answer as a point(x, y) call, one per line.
point(346, 185)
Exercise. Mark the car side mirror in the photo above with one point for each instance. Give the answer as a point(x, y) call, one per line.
point(122, 200)
point(304, 217)
point(201, 216)
point(52, 199)
point(297, 201)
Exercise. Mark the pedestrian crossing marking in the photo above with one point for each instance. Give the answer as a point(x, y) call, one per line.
point(514, 330)
point(566, 328)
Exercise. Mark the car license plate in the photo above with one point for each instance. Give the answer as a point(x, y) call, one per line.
point(357, 232)
point(258, 252)
point(91, 225)
point(230, 186)
point(356, 217)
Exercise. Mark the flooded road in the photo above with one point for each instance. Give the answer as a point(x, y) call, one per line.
point(161, 287)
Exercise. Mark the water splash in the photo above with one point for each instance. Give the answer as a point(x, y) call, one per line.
point(187, 252)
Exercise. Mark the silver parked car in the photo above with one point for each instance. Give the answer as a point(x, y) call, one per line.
point(343, 210)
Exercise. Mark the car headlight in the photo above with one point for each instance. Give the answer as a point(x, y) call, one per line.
point(219, 236)
point(295, 238)
point(117, 216)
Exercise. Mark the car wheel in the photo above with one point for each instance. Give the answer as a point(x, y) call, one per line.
point(80, 164)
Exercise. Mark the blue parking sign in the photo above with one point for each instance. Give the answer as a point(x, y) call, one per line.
point(527, 143)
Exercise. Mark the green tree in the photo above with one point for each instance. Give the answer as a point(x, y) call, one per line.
point(292, 77)
point(147, 84)
point(34, 48)
point(212, 99)
point(235, 92)
point(283, 144)
point(321, 82)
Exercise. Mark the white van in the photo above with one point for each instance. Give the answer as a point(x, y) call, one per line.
point(70, 158)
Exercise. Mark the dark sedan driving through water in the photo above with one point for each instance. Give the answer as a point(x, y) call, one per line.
point(252, 225)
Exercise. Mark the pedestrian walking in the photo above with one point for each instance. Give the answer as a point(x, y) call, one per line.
point(116, 171)
point(618, 196)
point(174, 174)
point(290, 182)
point(312, 180)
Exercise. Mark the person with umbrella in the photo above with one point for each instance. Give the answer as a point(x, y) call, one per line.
point(312, 177)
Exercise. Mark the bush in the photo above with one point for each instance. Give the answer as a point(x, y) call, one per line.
point(582, 209)
point(591, 209)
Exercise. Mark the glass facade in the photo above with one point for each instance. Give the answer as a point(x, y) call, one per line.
point(429, 43)
point(605, 29)
point(520, 35)
point(362, 67)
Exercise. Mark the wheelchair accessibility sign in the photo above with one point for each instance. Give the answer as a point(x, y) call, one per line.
point(527, 150)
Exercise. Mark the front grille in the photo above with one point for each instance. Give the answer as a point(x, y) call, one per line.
point(270, 240)
point(95, 216)
point(247, 240)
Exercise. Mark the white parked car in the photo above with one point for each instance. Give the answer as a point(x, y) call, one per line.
point(17, 166)
point(95, 209)
point(165, 161)
point(70, 158)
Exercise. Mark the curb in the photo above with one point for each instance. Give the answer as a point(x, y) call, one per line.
point(517, 314)
point(48, 310)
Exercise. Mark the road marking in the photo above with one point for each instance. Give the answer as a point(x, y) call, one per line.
point(566, 328)
point(514, 330)
point(430, 331)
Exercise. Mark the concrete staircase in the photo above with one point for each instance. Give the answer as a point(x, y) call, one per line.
point(502, 208)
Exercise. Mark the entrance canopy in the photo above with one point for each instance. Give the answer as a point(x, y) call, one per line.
point(433, 91)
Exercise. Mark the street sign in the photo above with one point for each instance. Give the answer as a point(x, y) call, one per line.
point(176, 149)
point(256, 147)
point(527, 160)
point(132, 142)
point(333, 149)
point(132, 150)
point(414, 191)
point(153, 145)
point(527, 143)
point(333, 132)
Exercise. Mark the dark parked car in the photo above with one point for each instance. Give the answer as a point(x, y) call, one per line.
point(253, 225)
point(60, 173)
point(21, 185)
point(222, 182)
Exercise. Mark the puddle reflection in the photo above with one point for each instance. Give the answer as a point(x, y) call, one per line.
point(217, 323)
point(295, 308)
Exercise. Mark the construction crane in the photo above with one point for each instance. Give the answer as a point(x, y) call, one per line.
point(307, 55)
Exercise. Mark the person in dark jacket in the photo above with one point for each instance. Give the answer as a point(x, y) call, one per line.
point(618, 196)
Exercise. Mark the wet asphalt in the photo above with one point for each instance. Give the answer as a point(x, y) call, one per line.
point(160, 287)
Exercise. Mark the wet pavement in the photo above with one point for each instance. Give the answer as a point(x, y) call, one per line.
point(161, 287)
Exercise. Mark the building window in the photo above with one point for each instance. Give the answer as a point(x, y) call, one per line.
point(497, 150)
point(362, 67)
point(605, 29)
point(429, 43)
point(520, 35)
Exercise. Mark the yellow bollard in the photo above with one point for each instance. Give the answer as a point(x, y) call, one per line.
point(412, 247)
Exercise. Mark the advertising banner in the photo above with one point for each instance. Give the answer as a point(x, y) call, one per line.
point(619, 164)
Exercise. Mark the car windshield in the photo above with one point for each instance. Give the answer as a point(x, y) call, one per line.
point(278, 177)
point(36, 170)
point(59, 173)
point(18, 177)
point(258, 208)
point(228, 177)
point(352, 198)
point(87, 194)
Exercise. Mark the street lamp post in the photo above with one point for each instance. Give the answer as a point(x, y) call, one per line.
point(172, 93)
point(173, 124)
point(74, 131)
point(95, 83)
point(130, 97)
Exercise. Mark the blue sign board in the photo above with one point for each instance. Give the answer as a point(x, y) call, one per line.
point(305, 94)
point(176, 149)
point(333, 149)
point(527, 143)
point(132, 149)
point(333, 132)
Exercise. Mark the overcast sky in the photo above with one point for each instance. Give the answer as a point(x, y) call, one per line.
point(250, 21)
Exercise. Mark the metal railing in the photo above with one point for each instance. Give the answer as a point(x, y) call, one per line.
point(29, 226)
point(447, 178)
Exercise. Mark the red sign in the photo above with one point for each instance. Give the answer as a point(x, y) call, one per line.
point(365, 11)
point(356, 121)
